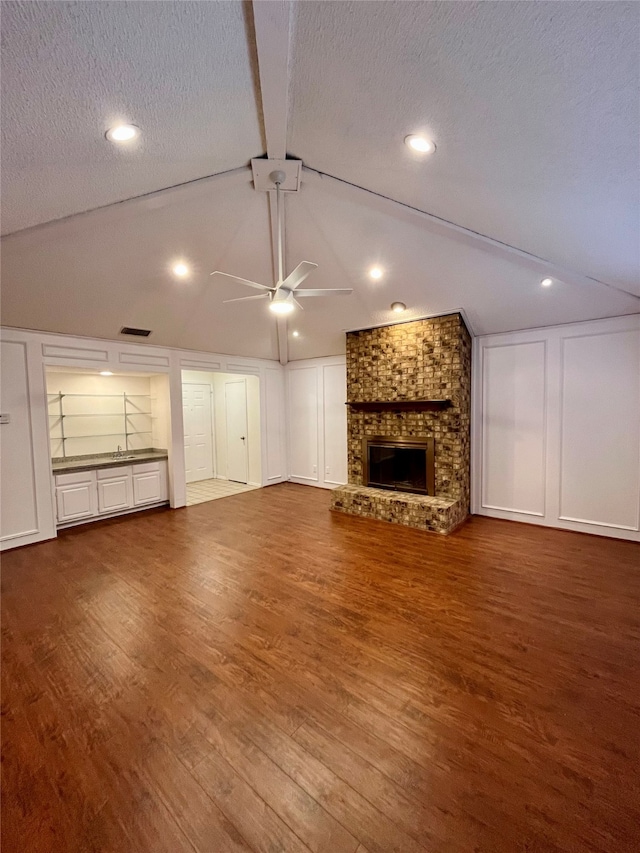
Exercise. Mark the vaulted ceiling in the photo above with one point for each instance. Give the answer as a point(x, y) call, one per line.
point(534, 108)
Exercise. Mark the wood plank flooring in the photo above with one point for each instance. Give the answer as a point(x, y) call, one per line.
point(257, 674)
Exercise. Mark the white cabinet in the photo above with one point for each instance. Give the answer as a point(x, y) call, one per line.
point(106, 491)
point(114, 489)
point(76, 496)
point(147, 484)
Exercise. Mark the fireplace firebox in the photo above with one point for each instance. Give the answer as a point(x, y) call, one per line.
point(399, 464)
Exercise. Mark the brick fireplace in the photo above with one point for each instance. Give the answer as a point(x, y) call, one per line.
point(410, 382)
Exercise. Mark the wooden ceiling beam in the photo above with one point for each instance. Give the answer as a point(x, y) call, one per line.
point(272, 26)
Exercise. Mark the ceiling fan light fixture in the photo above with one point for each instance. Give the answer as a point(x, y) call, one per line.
point(282, 306)
point(420, 143)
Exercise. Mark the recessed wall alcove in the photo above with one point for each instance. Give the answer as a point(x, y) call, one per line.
point(410, 381)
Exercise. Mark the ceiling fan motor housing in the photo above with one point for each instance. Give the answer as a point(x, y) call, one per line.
point(278, 177)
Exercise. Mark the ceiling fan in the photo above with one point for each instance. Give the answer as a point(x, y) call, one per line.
point(283, 297)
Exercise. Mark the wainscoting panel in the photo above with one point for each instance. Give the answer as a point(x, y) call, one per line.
point(77, 353)
point(334, 410)
point(303, 423)
point(26, 501)
point(275, 439)
point(600, 421)
point(18, 509)
point(557, 426)
point(144, 359)
point(317, 427)
point(513, 473)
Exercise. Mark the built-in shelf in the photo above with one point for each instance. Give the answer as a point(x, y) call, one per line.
point(130, 410)
point(102, 396)
point(400, 405)
point(100, 415)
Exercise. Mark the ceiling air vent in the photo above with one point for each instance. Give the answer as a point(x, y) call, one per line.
point(140, 333)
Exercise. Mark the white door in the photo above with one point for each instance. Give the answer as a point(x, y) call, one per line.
point(198, 439)
point(235, 395)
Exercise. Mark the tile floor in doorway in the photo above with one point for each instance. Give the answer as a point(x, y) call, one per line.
point(211, 490)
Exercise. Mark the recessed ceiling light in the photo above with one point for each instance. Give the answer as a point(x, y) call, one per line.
point(398, 307)
point(122, 133)
point(420, 143)
point(106, 373)
point(296, 334)
point(546, 282)
point(180, 269)
point(375, 273)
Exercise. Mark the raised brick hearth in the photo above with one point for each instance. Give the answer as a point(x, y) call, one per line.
point(416, 361)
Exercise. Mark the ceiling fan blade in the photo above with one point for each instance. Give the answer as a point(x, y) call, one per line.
point(242, 280)
point(298, 275)
point(297, 303)
point(246, 298)
point(331, 291)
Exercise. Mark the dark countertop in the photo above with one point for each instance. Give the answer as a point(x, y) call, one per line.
point(105, 460)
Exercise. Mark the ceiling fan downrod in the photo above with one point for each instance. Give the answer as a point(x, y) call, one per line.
point(278, 177)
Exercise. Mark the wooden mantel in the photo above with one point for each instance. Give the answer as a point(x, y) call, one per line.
point(399, 405)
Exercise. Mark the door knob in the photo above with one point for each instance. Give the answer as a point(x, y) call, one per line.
point(241, 438)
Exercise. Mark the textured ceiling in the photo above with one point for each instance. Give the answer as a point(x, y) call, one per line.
point(97, 272)
point(70, 70)
point(534, 108)
point(350, 231)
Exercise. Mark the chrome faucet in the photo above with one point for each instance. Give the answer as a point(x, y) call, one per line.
point(119, 453)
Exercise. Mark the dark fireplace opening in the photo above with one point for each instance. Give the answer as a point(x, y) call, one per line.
point(400, 464)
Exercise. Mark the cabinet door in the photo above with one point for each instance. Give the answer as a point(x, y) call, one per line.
point(75, 500)
point(114, 494)
point(147, 488)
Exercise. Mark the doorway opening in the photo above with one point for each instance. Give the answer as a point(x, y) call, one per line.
point(221, 417)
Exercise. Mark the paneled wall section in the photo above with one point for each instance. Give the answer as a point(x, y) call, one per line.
point(317, 421)
point(28, 470)
point(557, 427)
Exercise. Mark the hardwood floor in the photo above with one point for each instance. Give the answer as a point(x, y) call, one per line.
point(257, 674)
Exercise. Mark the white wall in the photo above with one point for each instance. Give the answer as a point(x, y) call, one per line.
point(254, 427)
point(26, 503)
point(95, 423)
point(161, 411)
point(556, 437)
point(317, 421)
point(26, 401)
